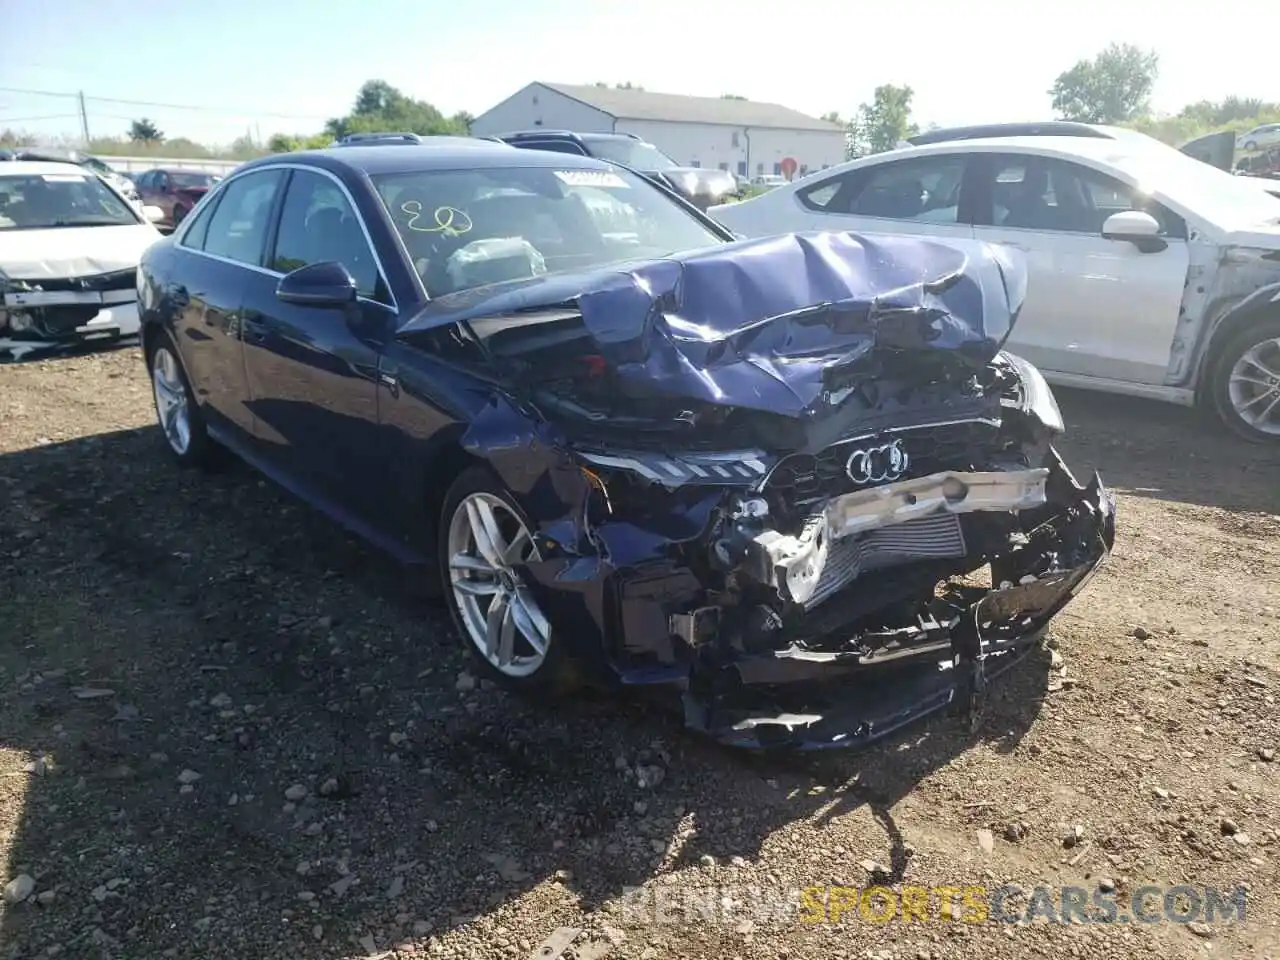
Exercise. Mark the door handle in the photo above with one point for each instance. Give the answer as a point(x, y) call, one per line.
point(251, 322)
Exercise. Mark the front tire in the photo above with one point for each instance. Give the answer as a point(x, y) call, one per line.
point(483, 539)
point(1245, 382)
point(1251, 145)
point(181, 422)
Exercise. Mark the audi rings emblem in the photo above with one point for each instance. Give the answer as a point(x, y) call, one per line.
point(877, 464)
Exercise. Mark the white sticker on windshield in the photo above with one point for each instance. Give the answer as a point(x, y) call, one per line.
point(62, 178)
point(590, 178)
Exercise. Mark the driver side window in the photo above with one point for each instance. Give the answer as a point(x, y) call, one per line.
point(317, 224)
point(1047, 194)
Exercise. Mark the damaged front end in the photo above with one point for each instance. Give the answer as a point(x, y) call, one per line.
point(52, 314)
point(806, 484)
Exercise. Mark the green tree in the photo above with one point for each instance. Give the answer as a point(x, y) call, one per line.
point(880, 124)
point(1113, 87)
point(16, 138)
point(731, 96)
point(379, 106)
point(833, 117)
point(144, 131)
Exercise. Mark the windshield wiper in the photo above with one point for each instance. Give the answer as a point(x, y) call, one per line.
point(80, 223)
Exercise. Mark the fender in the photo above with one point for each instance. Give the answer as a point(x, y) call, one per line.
point(1262, 304)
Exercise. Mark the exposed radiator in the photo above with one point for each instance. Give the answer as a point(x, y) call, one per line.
point(929, 538)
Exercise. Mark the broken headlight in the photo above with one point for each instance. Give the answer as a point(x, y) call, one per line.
point(1037, 399)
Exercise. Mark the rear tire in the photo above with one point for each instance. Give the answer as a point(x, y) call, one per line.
point(1244, 382)
point(182, 425)
point(496, 616)
point(1251, 145)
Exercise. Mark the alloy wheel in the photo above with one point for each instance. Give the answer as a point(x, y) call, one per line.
point(1254, 387)
point(171, 400)
point(487, 543)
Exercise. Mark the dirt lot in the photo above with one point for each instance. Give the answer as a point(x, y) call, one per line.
point(227, 730)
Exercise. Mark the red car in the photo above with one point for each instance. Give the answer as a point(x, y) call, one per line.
point(174, 191)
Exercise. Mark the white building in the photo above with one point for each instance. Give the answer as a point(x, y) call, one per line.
point(746, 137)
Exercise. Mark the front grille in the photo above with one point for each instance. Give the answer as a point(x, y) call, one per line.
point(803, 479)
point(60, 321)
point(929, 538)
point(101, 282)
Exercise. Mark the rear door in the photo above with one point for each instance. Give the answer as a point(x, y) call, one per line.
point(917, 196)
point(1095, 307)
point(313, 371)
point(221, 252)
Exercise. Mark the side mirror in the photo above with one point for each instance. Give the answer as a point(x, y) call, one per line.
point(1139, 228)
point(153, 213)
point(324, 284)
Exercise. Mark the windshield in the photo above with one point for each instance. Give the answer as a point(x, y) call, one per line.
point(1219, 196)
point(188, 178)
point(634, 153)
point(469, 228)
point(46, 200)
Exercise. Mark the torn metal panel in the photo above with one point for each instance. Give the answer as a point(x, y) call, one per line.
point(1220, 276)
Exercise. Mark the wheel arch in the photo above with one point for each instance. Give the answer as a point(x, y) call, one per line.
point(1261, 305)
point(441, 465)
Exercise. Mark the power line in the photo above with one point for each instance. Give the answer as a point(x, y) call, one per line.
point(163, 106)
point(49, 116)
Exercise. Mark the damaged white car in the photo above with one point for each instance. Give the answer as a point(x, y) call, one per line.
point(69, 252)
point(1150, 273)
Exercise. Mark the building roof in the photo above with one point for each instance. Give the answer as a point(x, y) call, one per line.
point(633, 104)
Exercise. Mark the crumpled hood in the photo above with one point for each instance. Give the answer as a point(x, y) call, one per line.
point(761, 323)
point(65, 252)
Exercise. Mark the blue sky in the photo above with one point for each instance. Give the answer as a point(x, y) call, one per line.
point(268, 65)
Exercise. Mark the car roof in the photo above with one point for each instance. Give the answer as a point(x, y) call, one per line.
point(36, 167)
point(539, 134)
point(459, 154)
point(1095, 147)
point(982, 131)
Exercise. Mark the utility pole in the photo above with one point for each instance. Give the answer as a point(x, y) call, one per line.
point(84, 121)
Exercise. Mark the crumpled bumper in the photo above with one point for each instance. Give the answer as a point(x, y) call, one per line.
point(112, 323)
point(882, 693)
point(837, 691)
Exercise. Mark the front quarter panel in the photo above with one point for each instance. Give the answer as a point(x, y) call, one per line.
point(423, 419)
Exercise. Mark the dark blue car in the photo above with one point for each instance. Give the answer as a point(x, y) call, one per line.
point(629, 448)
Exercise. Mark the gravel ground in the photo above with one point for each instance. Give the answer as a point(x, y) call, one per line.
point(228, 730)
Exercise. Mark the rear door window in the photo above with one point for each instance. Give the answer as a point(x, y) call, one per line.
point(925, 189)
point(238, 227)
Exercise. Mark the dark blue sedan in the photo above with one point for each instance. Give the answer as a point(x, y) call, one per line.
point(627, 447)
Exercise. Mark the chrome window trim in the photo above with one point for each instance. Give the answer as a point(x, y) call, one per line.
point(355, 210)
point(405, 256)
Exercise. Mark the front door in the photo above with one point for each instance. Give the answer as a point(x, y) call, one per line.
point(1095, 307)
point(313, 371)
